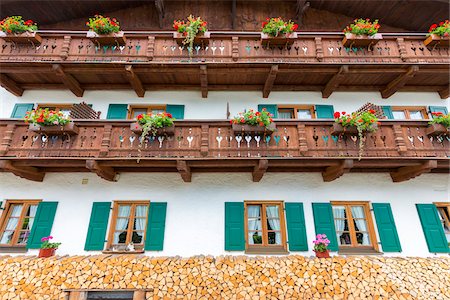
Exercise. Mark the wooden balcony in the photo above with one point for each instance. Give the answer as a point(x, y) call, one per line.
point(230, 61)
point(110, 147)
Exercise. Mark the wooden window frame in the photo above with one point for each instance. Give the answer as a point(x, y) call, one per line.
point(149, 108)
point(370, 224)
point(311, 108)
point(266, 248)
point(112, 227)
point(7, 213)
point(407, 109)
point(444, 205)
point(58, 106)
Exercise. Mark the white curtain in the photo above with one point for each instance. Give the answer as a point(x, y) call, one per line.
point(140, 212)
point(253, 217)
point(358, 213)
point(122, 223)
point(284, 115)
point(274, 221)
point(339, 213)
point(11, 225)
point(33, 209)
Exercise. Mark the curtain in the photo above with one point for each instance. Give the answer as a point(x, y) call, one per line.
point(284, 115)
point(254, 221)
point(11, 225)
point(358, 213)
point(122, 222)
point(274, 221)
point(33, 209)
point(304, 114)
point(339, 213)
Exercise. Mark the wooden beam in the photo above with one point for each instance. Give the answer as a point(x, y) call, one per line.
point(233, 14)
point(184, 170)
point(135, 81)
point(334, 172)
point(104, 172)
point(30, 173)
point(10, 85)
point(204, 81)
point(160, 8)
point(445, 93)
point(406, 173)
point(270, 81)
point(399, 82)
point(69, 81)
point(260, 169)
point(334, 82)
point(302, 7)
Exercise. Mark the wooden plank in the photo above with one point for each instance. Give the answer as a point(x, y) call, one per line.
point(159, 4)
point(233, 14)
point(302, 7)
point(270, 81)
point(260, 169)
point(135, 81)
point(107, 173)
point(29, 173)
point(204, 81)
point(445, 93)
point(334, 172)
point(184, 170)
point(69, 81)
point(10, 85)
point(334, 82)
point(406, 173)
point(399, 82)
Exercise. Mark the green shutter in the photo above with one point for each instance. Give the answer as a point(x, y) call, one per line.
point(156, 226)
point(271, 108)
point(20, 110)
point(42, 225)
point(432, 228)
point(324, 223)
point(441, 109)
point(296, 228)
point(95, 239)
point(324, 112)
point(234, 226)
point(177, 111)
point(387, 110)
point(386, 227)
point(117, 111)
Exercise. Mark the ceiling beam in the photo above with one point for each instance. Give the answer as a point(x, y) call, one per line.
point(10, 85)
point(30, 173)
point(445, 93)
point(406, 173)
point(334, 82)
point(135, 81)
point(104, 172)
point(204, 81)
point(184, 170)
point(159, 4)
point(233, 14)
point(334, 172)
point(260, 169)
point(399, 82)
point(302, 7)
point(69, 81)
point(270, 81)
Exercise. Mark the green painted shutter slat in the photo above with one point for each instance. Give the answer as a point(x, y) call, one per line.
point(117, 111)
point(42, 225)
point(90, 105)
point(432, 228)
point(386, 227)
point(177, 111)
point(156, 226)
point(95, 239)
point(387, 110)
point(271, 108)
point(441, 109)
point(296, 228)
point(21, 109)
point(324, 111)
point(234, 226)
point(324, 223)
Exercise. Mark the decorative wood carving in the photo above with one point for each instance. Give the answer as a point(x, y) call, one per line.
point(334, 172)
point(104, 172)
point(302, 141)
point(135, 81)
point(260, 169)
point(184, 170)
point(7, 139)
point(106, 140)
point(10, 85)
point(402, 48)
point(29, 173)
point(204, 140)
point(334, 82)
point(235, 47)
point(319, 48)
point(64, 54)
point(406, 173)
point(399, 139)
point(399, 82)
point(69, 81)
point(270, 81)
point(151, 47)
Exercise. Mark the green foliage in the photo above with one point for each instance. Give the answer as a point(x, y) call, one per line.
point(363, 26)
point(440, 118)
point(46, 117)
point(16, 24)
point(442, 30)
point(47, 245)
point(190, 29)
point(276, 26)
point(103, 25)
point(250, 117)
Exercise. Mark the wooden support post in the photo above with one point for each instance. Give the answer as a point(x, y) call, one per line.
point(444, 93)
point(233, 14)
point(135, 81)
point(399, 139)
point(69, 81)
point(270, 81)
point(151, 47)
point(402, 48)
point(235, 48)
point(409, 172)
point(10, 85)
point(334, 172)
point(319, 48)
point(29, 173)
point(204, 146)
point(399, 82)
point(204, 81)
point(184, 170)
point(160, 8)
point(64, 54)
point(334, 82)
point(5, 142)
point(302, 141)
point(106, 140)
point(260, 169)
point(104, 172)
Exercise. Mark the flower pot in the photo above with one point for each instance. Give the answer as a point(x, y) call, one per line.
point(70, 129)
point(436, 129)
point(360, 40)
point(114, 38)
point(280, 40)
point(136, 128)
point(434, 40)
point(325, 254)
point(253, 129)
point(22, 38)
point(200, 39)
point(47, 252)
point(338, 129)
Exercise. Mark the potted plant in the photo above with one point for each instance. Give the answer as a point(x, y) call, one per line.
point(154, 124)
point(253, 122)
point(16, 30)
point(277, 32)
point(47, 248)
point(191, 32)
point(105, 31)
point(439, 125)
point(362, 33)
point(50, 122)
point(320, 246)
point(438, 36)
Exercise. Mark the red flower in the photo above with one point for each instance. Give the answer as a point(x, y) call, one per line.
point(264, 24)
point(433, 27)
point(344, 113)
point(371, 111)
point(169, 115)
point(441, 23)
point(28, 22)
point(261, 124)
point(294, 28)
point(242, 120)
point(360, 120)
point(231, 121)
point(140, 117)
point(337, 115)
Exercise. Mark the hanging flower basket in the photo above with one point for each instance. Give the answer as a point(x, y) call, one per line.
point(324, 254)
point(439, 125)
point(253, 129)
point(69, 128)
point(44, 253)
point(22, 38)
point(434, 40)
point(114, 38)
point(168, 131)
point(437, 129)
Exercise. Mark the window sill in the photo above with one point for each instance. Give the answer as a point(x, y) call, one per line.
point(13, 249)
point(123, 252)
point(266, 250)
point(359, 252)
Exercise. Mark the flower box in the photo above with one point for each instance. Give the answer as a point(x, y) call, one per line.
point(281, 40)
point(436, 129)
point(44, 253)
point(115, 38)
point(70, 129)
point(360, 40)
point(136, 128)
point(338, 129)
point(325, 254)
point(200, 39)
point(434, 40)
point(253, 129)
point(22, 38)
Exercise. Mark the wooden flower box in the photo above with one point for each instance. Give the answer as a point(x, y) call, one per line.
point(70, 129)
point(437, 129)
point(338, 129)
point(361, 40)
point(435, 40)
point(168, 131)
point(200, 39)
point(22, 38)
point(115, 38)
point(253, 129)
point(281, 40)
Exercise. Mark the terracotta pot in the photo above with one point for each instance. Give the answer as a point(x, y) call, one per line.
point(360, 40)
point(200, 39)
point(70, 129)
point(253, 129)
point(47, 252)
point(136, 128)
point(436, 129)
point(281, 40)
point(22, 38)
point(115, 38)
point(325, 254)
point(434, 40)
point(338, 129)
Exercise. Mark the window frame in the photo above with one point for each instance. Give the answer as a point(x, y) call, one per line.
point(370, 225)
point(407, 110)
point(311, 108)
point(7, 213)
point(445, 218)
point(149, 108)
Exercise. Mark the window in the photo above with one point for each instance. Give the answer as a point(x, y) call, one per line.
point(17, 221)
point(444, 215)
point(354, 226)
point(136, 110)
point(64, 108)
point(265, 228)
point(409, 112)
point(296, 112)
point(128, 225)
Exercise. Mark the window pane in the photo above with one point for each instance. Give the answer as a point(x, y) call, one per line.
point(286, 114)
point(137, 237)
point(272, 211)
point(6, 237)
point(137, 111)
point(358, 212)
point(443, 216)
point(339, 212)
point(124, 211)
point(304, 114)
point(344, 238)
point(139, 223)
point(399, 114)
point(120, 237)
point(157, 111)
point(121, 224)
point(16, 210)
point(254, 211)
point(254, 224)
point(416, 115)
point(254, 238)
point(23, 237)
point(141, 211)
point(274, 238)
point(363, 238)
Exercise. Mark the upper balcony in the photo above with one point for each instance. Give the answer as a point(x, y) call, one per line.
point(229, 61)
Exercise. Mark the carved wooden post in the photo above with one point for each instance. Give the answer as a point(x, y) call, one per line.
point(65, 47)
point(399, 139)
point(319, 48)
point(302, 143)
point(204, 146)
point(235, 48)
point(151, 47)
point(402, 48)
point(106, 140)
point(7, 139)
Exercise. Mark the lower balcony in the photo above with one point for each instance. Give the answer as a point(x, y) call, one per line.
point(108, 148)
